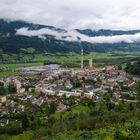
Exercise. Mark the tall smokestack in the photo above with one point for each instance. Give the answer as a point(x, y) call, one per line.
point(82, 65)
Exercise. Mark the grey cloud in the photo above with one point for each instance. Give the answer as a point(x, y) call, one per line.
point(71, 14)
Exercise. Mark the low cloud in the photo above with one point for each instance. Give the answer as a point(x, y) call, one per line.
point(73, 35)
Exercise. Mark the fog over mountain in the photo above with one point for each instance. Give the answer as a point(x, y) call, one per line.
point(75, 35)
point(15, 35)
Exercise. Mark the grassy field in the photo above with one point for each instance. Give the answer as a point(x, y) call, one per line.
point(76, 57)
point(61, 58)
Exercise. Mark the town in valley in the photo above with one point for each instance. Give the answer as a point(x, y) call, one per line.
point(52, 89)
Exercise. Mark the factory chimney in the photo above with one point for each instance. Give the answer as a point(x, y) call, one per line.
point(82, 64)
point(80, 45)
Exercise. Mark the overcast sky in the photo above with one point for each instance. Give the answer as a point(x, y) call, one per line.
point(94, 14)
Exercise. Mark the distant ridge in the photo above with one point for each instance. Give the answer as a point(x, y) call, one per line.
point(54, 39)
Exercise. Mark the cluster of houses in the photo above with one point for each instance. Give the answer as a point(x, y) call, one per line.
point(72, 83)
point(55, 85)
point(91, 82)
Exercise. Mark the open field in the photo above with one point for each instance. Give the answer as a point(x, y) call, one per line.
point(61, 58)
point(72, 57)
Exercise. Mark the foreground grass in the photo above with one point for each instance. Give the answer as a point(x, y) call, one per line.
point(28, 135)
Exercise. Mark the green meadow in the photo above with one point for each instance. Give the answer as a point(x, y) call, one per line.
point(73, 57)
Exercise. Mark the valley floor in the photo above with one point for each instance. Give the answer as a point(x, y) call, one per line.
point(9, 63)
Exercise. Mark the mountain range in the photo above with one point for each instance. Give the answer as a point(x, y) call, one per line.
point(17, 35)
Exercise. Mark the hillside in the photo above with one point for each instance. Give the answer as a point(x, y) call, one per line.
point(15, 35)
